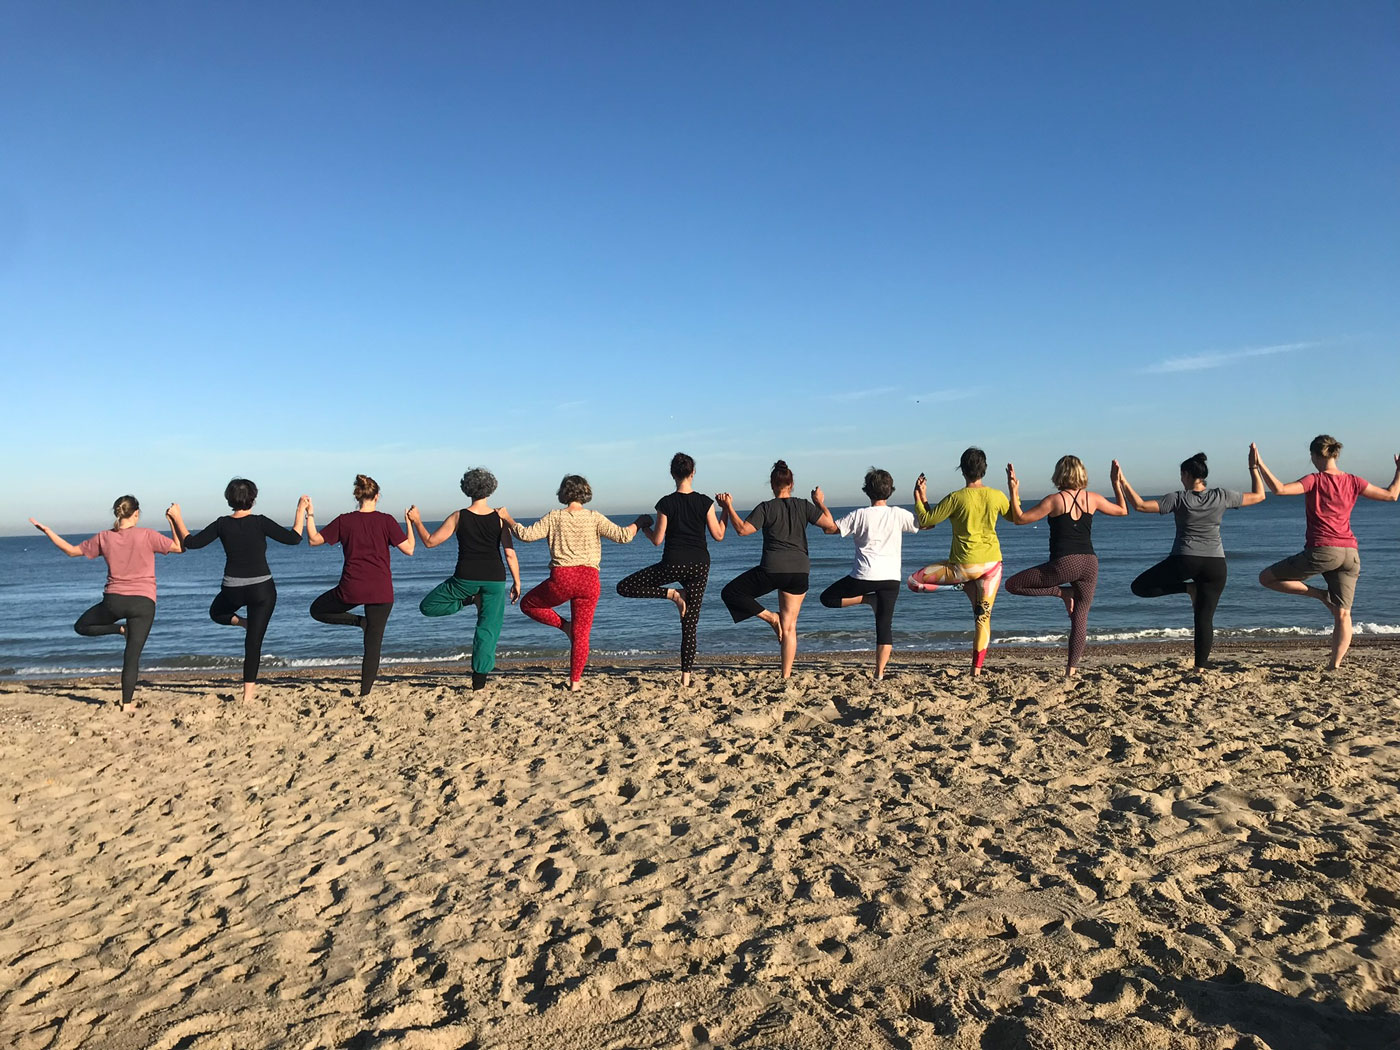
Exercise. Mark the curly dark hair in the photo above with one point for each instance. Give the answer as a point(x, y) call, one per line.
point(574, 489)
point(478, 483)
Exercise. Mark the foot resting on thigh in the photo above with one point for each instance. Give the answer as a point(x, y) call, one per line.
point(677, 597)
point(771, 619)
point(1067, 596)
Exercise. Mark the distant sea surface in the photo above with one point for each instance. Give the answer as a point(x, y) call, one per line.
point(42, 592)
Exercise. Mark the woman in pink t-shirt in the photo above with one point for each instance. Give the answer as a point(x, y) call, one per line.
point(1330, 549)
point(366, 535)
point(130, 594)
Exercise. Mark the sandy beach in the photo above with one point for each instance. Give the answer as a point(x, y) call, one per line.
point(1149, 858)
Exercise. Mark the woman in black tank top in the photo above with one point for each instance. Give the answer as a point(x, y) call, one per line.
point(479, 578)
point(1072, 573)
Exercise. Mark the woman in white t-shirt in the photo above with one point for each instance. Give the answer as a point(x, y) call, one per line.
point(878, 531)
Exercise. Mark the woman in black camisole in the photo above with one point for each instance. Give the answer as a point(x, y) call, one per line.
point(1072, 573)
point(479, 578)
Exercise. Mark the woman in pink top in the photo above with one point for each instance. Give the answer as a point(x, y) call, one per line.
point(366, 534)
point(1330, 549)
point(130, 593)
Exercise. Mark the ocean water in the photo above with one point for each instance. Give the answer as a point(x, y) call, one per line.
point(42, 592)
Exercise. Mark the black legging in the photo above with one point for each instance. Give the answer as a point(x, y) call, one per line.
point(261, 599)
point(882, 595)
point(139, 613)
point(1080, 572)
point(1171, 576)
point(330, 609)
point(651, 583)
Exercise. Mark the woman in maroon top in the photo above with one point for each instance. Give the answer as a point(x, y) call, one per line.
point(367, 534)
point(1330, 549)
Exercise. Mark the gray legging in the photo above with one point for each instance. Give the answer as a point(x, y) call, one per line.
point(139, 613)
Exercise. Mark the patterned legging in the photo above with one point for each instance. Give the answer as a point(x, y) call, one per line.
point(979, 582)
point(579, 586)
point(651, 583)
point(1078, 572)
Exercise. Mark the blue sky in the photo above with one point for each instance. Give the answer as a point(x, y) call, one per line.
point(298, 241)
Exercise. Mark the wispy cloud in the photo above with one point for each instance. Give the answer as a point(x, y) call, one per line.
point(863, 395)
point(1221, 358)
point(940, 396)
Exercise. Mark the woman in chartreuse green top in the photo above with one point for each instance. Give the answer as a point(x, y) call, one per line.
point(974, 560)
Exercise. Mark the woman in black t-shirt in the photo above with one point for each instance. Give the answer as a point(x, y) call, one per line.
point(479, 578)
point(785, 564)
point(682, 519)
point(247, 579)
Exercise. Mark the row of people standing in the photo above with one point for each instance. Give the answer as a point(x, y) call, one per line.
point(686, 520)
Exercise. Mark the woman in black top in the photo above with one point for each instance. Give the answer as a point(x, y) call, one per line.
point(247, 579)
point(479, 578)
point(1072, 573)
point(785, 564)
point(682, 519)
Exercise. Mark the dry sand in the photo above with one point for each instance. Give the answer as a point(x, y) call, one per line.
point(1151, 858)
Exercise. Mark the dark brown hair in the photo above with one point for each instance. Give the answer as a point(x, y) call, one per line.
point(973, 464)
point(366, 488)
point(780, 477)
point(1195, 467)
point(682, 466)
point(878, 484)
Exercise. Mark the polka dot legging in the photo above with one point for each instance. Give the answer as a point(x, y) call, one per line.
point(652, 581)
point(578, 585)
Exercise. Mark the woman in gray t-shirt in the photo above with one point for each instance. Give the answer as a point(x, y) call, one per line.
point(1196, 565)
point(785, 564)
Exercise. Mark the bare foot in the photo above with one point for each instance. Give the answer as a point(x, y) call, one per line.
point(1067, 596)
point(567, 626)
point(1191, 593)
point(574, 687)
point(121, 628)
point(131, 707)
point(771, 619)
point(685, 679)
point(677, 596)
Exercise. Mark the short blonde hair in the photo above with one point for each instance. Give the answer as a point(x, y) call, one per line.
point(1070, 473)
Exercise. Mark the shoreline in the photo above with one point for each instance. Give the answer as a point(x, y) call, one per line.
point(1010, 657)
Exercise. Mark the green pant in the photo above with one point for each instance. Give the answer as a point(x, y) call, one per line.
point(452, 594)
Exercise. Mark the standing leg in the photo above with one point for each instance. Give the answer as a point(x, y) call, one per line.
point(139, 614)
point(376, 619)
point(585, 586)
point(261, 600)
point(982, 592)
point(696, 577)
point(1209, 577)
point(1084, 581)
point(1341, 592)
point(789, 606)
point(488, 628)
point(884, 596)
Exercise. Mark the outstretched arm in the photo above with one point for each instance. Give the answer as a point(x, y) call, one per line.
point(1256, 480)
point(440, 534)
point(714, 523)
point(1278, 488)
point(1025, 517)
point(826, 522)
point(738, 524)
point(58, 541)
point(1390, 494)
point(312, 536)
point(1125, 491)
point(407, 545)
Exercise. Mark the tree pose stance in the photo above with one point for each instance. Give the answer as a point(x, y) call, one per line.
point(785, 565)
point(974, 558)
point(575, 552)
point(1330, 549)
point(128, 605)
point(366, 534)
point(878, 531)
point(1196, 565)
point(1072, 573)
point(682, 520)
point(479, 578)
point(247, 579)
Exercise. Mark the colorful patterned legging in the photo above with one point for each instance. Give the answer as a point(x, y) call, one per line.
point(979, 582)
point(651, 583)
point(579, 586)
point(1078, 572)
